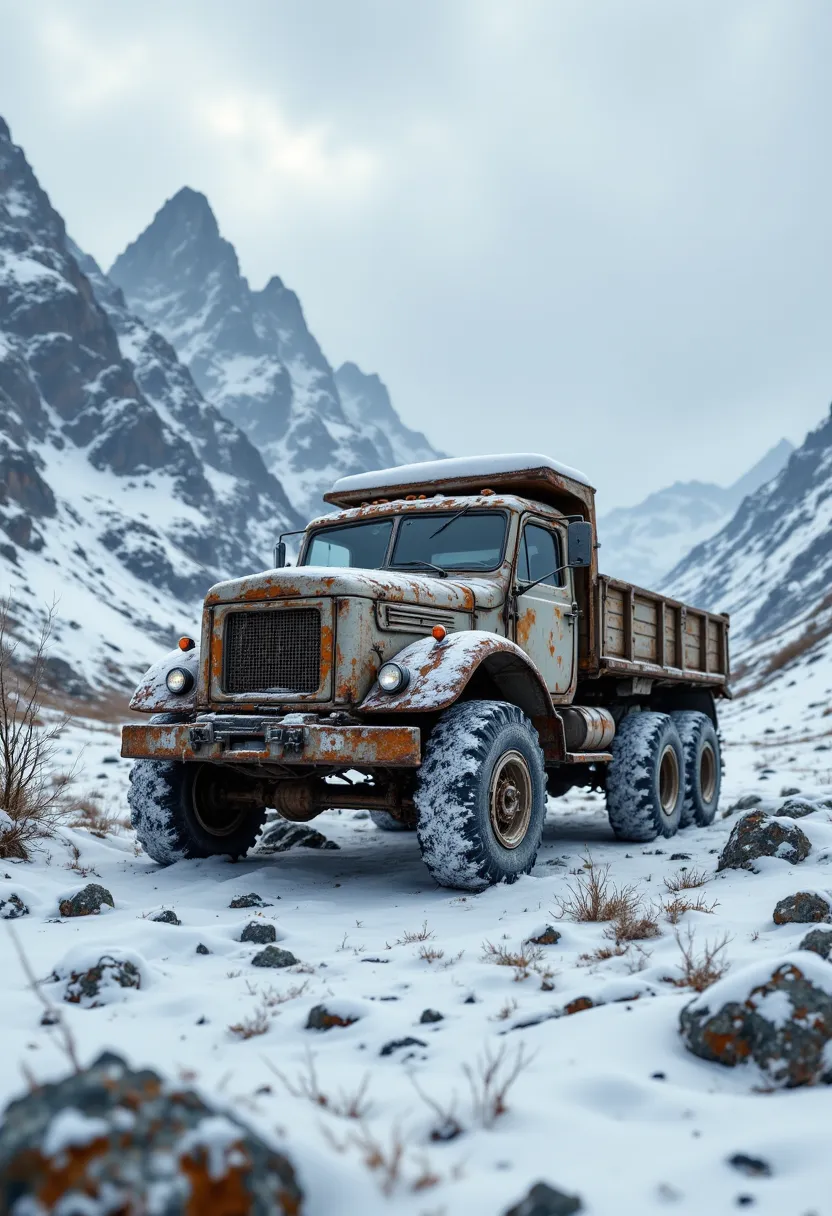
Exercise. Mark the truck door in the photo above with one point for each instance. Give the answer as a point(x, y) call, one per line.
point(545, 626)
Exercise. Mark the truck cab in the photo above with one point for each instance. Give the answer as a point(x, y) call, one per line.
point(449, 601)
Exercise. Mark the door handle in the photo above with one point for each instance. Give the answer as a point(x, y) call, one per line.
point(573, 614)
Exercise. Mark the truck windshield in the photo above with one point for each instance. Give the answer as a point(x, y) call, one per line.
point(450, 540)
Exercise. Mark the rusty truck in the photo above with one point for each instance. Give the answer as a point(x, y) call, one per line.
point(444, 654)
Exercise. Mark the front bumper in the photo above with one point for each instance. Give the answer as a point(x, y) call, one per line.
point(234, 739)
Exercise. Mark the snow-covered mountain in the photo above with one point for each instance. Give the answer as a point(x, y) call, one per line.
point(123, 493)
point(251, 353)
point(771, 566)
point(642, 543)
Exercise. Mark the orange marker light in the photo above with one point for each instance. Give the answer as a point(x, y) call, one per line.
point(186, 643)
point(439, 632)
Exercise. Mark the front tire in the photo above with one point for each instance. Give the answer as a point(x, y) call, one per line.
point(645, 778)
point(481, 796)
point(703, 767)
point(189, 810)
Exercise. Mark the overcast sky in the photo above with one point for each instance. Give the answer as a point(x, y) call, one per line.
point(597, 230)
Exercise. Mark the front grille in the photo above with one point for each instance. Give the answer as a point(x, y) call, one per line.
point(277, 651)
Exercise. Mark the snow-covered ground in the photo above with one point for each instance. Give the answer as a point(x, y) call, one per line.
point(607, 1103)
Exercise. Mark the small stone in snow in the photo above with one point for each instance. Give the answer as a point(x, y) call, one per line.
point(84, 987)
point(321, 1019)
point(252, 900)
point(548, 937)
point(744, 1201)
point(261, 933)
point(12, 907)
point(680, 856)
point(658, 1076)
point(752, 1167)
point(579, 1004)
point(747, 802)
point(470, 1000)
point(168, 917)
point(818, 940)
point(86, 902)
point(202, 949)
point(431, 1015)
point(788, 790)
point(545, 1200)
point(395, 1044)
point(755, 835)
point(796, 808)
point(280, 836)
point(273, 956)
point(804, 908)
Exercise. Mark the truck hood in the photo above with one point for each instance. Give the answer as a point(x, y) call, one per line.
point(315, 582)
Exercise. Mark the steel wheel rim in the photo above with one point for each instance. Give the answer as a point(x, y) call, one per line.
point(707, 773)
point(209, 811)
point(668, 780)
point(510, 799)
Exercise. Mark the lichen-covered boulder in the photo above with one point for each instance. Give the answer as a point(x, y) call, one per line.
point(321, 1018)
point(755, 835)
point(804, 908)
point(797, 808)
point(547, 935)
point(819, 941)
point(273, 956)
point(87, 902)
point(252, 900)
point(260, 932)
point(89, 988)
point(110, 1139)
point(12, 908)
point(166, 917)
point(777, 1016)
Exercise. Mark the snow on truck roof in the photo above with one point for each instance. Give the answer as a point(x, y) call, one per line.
point(526, 474)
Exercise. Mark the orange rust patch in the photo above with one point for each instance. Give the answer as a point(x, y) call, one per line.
point(524, 625)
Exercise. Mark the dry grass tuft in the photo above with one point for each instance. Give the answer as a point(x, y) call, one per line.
point(675, 908)
point(593, 897)
point(90, 814)
point(602, 954)
point(306, 1085)
point(250, 1028)
point(685, 880)
point(490, 1079)
point(421, 935)
point(522, 960)
point(634, 924)
point(32, 802)
point(702, 968)
point(429, 955)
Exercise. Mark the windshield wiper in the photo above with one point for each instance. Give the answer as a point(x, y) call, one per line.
point(429, 565)
point(448, 522)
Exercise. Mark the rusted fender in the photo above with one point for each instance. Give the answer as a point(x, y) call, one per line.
point(152, 694)
point(439, 672)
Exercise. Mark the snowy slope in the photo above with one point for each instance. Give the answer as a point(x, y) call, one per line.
point(642, 543)
point(123, 494)
point(252, 354)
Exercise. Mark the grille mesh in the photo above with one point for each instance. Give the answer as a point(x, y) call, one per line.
point(276, 651)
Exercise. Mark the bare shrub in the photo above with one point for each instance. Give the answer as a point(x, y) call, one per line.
point(675, 908)
point(306, 1085)
point(636, 923)
point(32, 802)
point(429, 955)
point(685, 880)
point(490, 1079)
point(250, 1028)
point(521, 960)
point(702, 968)
point(602, 954)
point(421, 935)
point(593, 897)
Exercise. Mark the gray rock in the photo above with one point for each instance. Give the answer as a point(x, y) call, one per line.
point(168, 917)
point(804, 908)
point(796, 808)
point(321, 1019)
point(202, 949)
point(819, 941)
point(149, 1149)
point(86, 902)
point(261, 933)
point(12, 908)
point(273, 956)
point(398, 1044)
point(84, 987)
point(280, 836)
point(788, 790)
point(752, 1167)
point(789, 1050)
point(252, 900)
point(545, 1200)
point(746, 802)
point(755, 835)
point(431, 1015)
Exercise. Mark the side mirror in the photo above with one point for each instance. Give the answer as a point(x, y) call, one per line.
point(280, 555)
point(579, 542)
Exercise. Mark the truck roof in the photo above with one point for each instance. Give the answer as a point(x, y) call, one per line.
point(526, 474)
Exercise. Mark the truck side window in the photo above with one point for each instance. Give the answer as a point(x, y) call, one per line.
point(539, 555)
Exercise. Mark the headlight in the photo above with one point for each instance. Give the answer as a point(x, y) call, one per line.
point(179, 680)
point(393, 678)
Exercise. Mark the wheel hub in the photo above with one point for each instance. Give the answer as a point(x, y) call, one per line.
point(510, 799)
point(707, 773)
point(219, 806)
point(668, 780)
